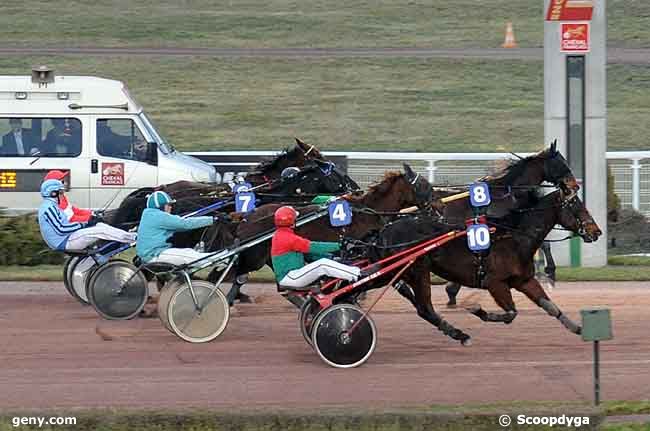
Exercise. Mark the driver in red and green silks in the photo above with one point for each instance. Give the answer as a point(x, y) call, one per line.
point(288, 252)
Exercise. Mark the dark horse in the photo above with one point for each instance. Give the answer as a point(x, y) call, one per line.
point(510, 189)
point(371, 210)
point(509, 264)
point(191, 196)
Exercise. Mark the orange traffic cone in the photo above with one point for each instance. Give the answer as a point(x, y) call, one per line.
point(510, 37)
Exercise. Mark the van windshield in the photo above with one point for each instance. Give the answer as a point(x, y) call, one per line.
point(162, 143)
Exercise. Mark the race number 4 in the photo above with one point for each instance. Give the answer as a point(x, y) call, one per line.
point(479, 195)
point(340, 213)
point(478, 237)
point(244, 202)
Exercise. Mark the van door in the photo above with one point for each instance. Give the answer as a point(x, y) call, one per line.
point(124, 160)
point(32, 146)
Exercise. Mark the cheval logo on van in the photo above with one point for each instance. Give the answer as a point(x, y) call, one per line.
point(112, 174)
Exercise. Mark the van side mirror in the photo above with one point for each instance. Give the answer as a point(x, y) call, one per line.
point(152, 153)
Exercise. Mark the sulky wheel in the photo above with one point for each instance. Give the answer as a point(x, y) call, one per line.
point(308, 312)
point(117, 290)
point(336, 344)
point(202, 323)
point(165, 297)
point(67, 265)
point(79, 274)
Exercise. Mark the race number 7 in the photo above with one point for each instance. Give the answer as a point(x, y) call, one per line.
point(244, 202)
point(479, 195)
point(478, 237)
point(340, 213)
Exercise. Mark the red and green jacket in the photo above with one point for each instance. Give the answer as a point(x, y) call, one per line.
point(288, 251)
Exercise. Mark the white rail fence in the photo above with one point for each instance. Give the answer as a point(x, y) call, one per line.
point(631, 169)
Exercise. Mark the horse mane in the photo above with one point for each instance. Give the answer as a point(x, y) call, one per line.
point(510, 169)
point(272, 163)
point(379, 188)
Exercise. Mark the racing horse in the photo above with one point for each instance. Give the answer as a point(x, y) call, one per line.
point(192, 196)
point(511, 187)
point(370, 211)
point(509, 264)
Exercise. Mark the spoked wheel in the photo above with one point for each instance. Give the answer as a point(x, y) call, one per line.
point(165, 297)
point(202, 323)
point(79, 273)
point(69, 262)
point(308, 312)
point(117, 290)
point(338, 341)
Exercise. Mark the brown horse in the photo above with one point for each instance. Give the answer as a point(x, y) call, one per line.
point(509, 264)
point(371, 210)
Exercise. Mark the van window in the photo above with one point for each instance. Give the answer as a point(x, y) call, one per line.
point(46, 137)
point(122, 139)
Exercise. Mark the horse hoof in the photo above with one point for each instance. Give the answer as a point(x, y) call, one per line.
point(474, 309)
point(466, 342)
point(244, 299)
point(451, 304)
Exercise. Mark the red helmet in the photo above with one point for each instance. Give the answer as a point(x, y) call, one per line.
point(285, 216)
point(56, 175)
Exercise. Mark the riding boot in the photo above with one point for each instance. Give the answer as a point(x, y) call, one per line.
point(452, 292)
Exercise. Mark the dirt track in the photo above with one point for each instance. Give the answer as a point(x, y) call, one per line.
point(51, 356)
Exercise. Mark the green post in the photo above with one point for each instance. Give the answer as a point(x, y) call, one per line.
point(575, 248)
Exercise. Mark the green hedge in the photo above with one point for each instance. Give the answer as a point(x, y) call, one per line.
point(21, 243)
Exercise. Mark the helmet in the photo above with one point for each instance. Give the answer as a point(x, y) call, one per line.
point(56, 175)
point(51, 188)
point(285, 216)
point(289, 172)
point(159, 199)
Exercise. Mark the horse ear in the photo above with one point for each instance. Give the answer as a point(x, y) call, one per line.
point(410, 175)
point(554, 147)
point(300, 144)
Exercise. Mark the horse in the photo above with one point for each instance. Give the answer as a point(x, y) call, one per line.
point(191, 196)
point(513, 184)
point(509, 264)
point(370, 211)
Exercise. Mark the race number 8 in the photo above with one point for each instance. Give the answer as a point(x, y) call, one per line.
point(340, 213)
point(478, 237)
point(479, 195)
point(244, 202)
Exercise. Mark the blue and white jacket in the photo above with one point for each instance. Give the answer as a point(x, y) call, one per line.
point(54, 224)
point(157, 226)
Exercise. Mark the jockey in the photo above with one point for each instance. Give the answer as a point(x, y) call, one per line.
point(60, 234)
point(74, 214)
point(157, 225)
point(288, 255)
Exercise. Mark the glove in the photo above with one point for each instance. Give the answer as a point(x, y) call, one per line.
point(348, 244)
point(93, 220)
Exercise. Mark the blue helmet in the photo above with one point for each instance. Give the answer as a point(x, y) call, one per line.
point(159, 200)
point(51, 188)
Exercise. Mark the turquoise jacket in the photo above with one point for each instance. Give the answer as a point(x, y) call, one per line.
point(157, 226)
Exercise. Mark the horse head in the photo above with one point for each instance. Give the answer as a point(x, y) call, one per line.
point(575, 217)
point(317, 177)
point(270, 169)
point(397, 191)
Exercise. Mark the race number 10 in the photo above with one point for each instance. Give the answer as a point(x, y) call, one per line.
point(479, 195)
point(340, 213)
point(478, 237)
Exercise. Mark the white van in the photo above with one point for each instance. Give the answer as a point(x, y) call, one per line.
point(90, 127)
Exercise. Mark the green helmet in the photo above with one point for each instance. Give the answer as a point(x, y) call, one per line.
point(159, 200)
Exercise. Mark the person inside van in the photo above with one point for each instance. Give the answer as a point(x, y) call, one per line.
point(61, 234)
point(19, 141)
point(113, 144)
point(157, 225)
point(64, 139)
point(74, 214)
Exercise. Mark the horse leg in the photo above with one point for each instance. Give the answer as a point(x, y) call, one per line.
point(535, 293)
point(425, 310)
point(550, 263)
point(500, 292)
point(235, 291)
point(452, 289)
point(406, 291)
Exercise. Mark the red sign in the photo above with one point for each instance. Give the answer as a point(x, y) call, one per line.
point(570, 10)
point(112, 174)
point(574, 37)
